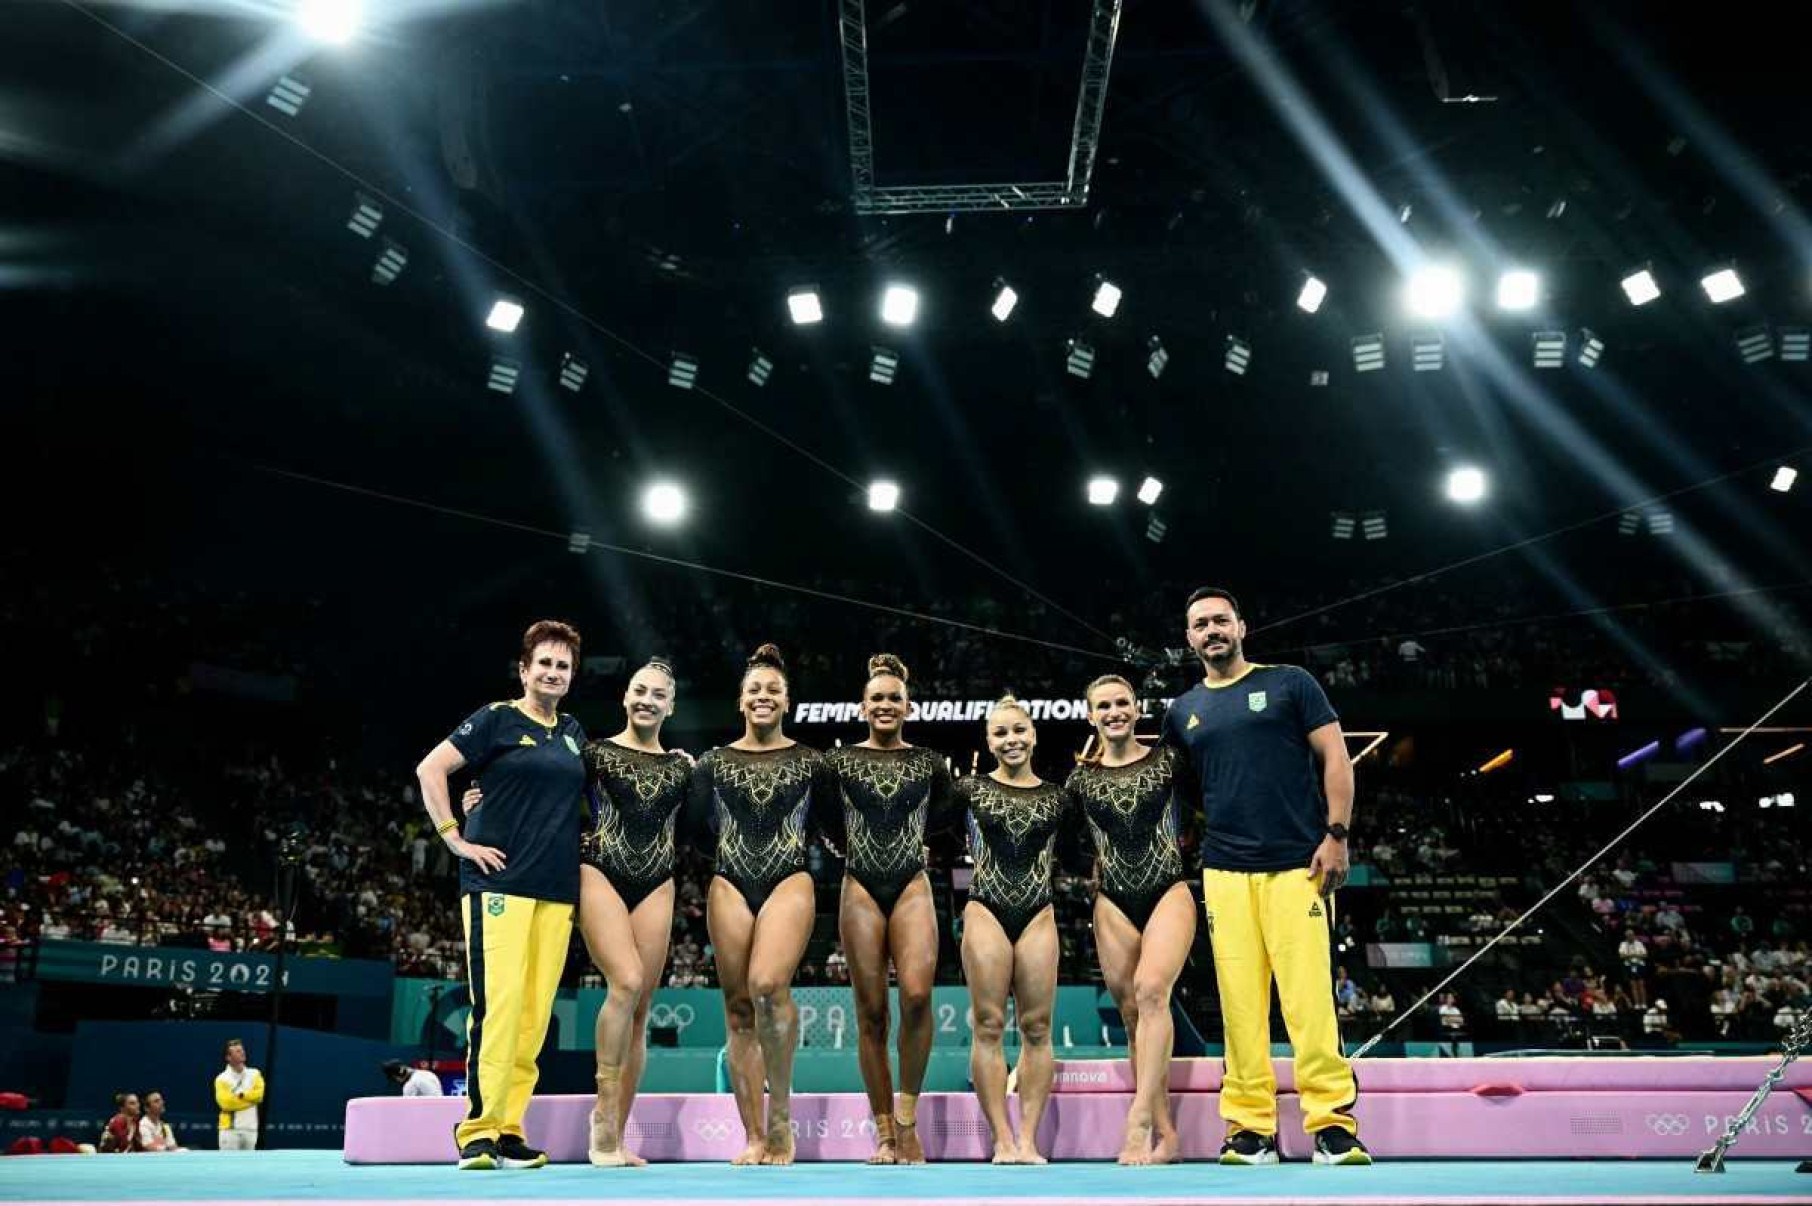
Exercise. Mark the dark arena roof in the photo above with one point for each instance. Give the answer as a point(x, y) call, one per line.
point(208, 387)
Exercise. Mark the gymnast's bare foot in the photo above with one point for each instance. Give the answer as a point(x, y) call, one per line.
point(1136, 1149)
point(1167, 1150)
point(754, 1153)
point(1006, 1151)
point(911, 1150)
point(780, 1140)
point(1028, 1152)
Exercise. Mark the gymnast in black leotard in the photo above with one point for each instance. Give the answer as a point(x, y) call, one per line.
point(761, 793)
point(1145, 912)
point(1017, 824)
point(893, 796)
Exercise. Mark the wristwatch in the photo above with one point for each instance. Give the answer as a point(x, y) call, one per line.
point(1337, 831)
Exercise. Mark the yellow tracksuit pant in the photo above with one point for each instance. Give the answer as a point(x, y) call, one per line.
point(515, 952)
point(1266, 925)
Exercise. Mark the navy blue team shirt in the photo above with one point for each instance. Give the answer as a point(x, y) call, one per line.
point(533, 779)
point(1250, 766)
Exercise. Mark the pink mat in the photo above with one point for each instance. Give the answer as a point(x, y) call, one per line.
point(705, 1126)
point(1633, 1072)
point(1487, 1109)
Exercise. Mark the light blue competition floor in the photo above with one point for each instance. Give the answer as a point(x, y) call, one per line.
point(322, 1177)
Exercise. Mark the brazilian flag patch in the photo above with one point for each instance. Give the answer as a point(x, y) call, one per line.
point(494, 906)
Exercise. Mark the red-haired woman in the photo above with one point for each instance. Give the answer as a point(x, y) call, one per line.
point(519, 882)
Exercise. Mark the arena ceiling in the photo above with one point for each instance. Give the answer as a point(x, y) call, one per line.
point(187, 309)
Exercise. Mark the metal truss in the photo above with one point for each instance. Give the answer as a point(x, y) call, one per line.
point(1085, 136)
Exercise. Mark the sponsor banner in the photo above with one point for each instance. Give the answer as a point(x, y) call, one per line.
point(951, 711)
point(1406, 954)
point(172, 967)
point(1704, 873)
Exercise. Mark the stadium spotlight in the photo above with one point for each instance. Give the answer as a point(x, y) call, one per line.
point(1590, 348)
point(760, 368)
point(1107, 297)
point(1004, 301)
point(1314, 292)
point(390, 263)
point(1467, 485)
point(682, 371)
point(1155, 528)
point(367, 216)
point(1796, 342)
point(1784, 477)
point(1640, 287)
point(1628, 523)
point(1660, 521)
point(1428, 352)
point(899, 305)
point(1722, 285)
point(1434, 291)
point(1373, 525)
point(1102, 490)
point(1154, 363)
point(1343, 526)
point(883, 495)
point(1755, 344)
point(1518, 290)
point(1149, 491)
point(1080, 359)
point(335, 22)
point(883, 365)
point(573, 372)
point(1368, 353)
point(288, 95)
point(503, 376)
point(1549, 349)
point(664, 503)
point(506, 315)
point(804, 305)
point(1239, 356)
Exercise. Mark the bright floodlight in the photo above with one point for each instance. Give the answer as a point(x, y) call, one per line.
point(1784, 477)
point(899, 305)
point(1640, 287)
point(1102, 491)
point(505, 316)
point(1466, 485)
point(1518, 289)
point(1004, 301)
point(1434, 291)
point(334, 21)
point(1722, 286)
point(664, 503)
point(1107, 298)
point(1149, 490)
point(883, 495)
point(1312, 295)
point(804, 306)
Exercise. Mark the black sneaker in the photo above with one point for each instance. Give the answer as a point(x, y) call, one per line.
point(1337, 1145)
point(514, 1152)
point(1249, 1147)
point(480, 1155)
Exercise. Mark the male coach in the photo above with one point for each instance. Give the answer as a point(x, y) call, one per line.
point(1269, 764)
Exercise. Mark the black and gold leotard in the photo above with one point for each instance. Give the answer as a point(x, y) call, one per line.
point(1013, 837)
point(638, 796)
point(890, 799)
point(761, 804)
point(1132, 813)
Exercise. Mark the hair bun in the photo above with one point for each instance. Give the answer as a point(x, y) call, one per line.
point(887, 663)
point(768, 655)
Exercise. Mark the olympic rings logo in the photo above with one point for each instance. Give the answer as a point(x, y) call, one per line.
point(671, 1017)
point(711, 1128)
point(1667, 1124)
